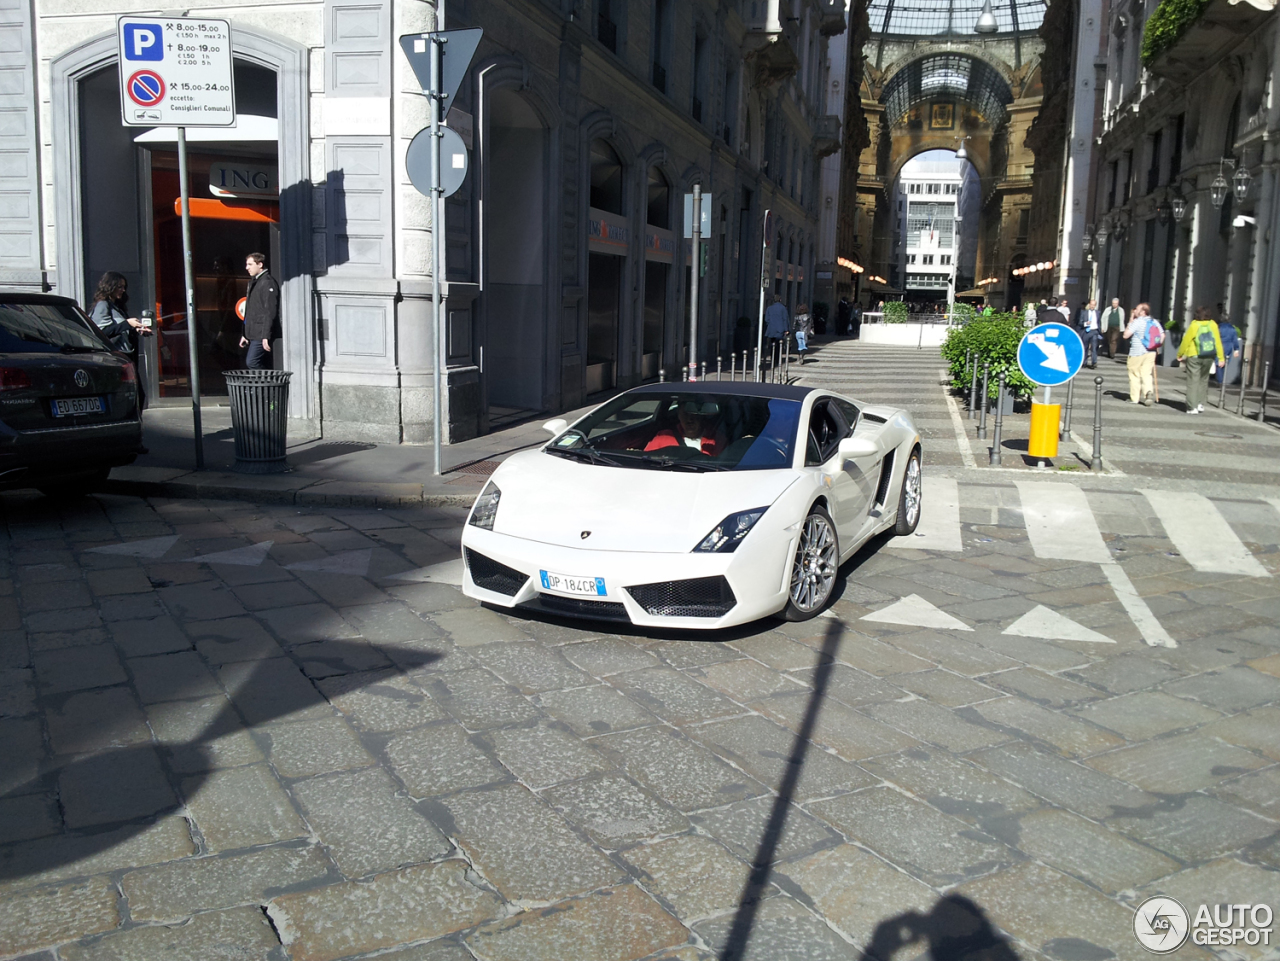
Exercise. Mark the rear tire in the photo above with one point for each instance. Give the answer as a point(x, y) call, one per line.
point(79, 485)
point(813, 567)
point(911, 498)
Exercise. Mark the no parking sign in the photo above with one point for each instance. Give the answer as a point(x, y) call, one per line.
point(175, 71)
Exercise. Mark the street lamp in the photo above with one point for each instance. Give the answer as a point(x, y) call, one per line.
point(1218, 188)
point(961, 153)
point(1101, 233)
point(1240, 182)
point(1162, 213)
point(1178, 203)
point(987, 20)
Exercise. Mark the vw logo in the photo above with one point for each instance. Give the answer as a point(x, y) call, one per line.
point(585, 534)
point(81, 378)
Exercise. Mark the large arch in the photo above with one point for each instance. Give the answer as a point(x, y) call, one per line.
point(289, 61)
point(951, 76)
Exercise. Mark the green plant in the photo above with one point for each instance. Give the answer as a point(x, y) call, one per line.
point(962, 313)
point(995, 338)
point(1167, 24)
point(895, 312)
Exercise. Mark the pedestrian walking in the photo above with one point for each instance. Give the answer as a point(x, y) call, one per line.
point(1230, 338)
point(803, 330)
point(1088, 324)
point(844, 317)
point(1145, 335)
point(261, 313)
point(1201, 346)
point(1048, 313)
point(1112, 326)
point(857, 321)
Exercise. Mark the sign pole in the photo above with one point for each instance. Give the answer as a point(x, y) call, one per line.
point(437, 250)
point(193, 348)
point(764, 286)
point(694, 270)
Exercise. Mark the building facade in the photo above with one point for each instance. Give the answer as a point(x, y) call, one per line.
point(567, 275)
point(1184, 193)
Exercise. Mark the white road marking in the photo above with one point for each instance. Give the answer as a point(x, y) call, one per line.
point(1202, 535)
point(962, 436)
point(1151, 630)
point(1049, 625)
point(250, 556)
point(939, 528)
point(914, 611)
point(1060, 523)
point(1274, 502)
point(1087, 451)
point(1061, 526)
point(348, 562)
point(446, 572)
point(152, 548)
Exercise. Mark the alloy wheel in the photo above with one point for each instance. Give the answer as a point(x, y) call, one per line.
point(813, 572)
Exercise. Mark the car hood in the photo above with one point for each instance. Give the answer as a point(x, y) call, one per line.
point(553, 500)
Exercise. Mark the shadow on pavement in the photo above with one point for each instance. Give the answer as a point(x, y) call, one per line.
point(107, 796)
point(956, 929)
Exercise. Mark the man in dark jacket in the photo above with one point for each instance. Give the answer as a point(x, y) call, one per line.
point(261, 313)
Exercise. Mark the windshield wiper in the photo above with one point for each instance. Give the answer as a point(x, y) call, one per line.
point(584, 453)
point(79, 349)
point(669, 463)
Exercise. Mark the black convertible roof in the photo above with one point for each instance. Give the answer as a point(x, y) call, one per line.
point(745, 388)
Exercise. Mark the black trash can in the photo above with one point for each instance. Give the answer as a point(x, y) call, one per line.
point(259, 418)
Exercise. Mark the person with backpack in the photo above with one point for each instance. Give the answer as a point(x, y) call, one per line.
point(1201, 346)
point(1145, 335)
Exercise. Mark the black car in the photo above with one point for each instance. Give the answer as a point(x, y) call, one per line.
point(69, 402)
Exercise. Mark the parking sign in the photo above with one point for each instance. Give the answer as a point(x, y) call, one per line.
point(175, 72)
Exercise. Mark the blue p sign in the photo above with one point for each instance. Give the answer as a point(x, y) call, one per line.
point(142, 41)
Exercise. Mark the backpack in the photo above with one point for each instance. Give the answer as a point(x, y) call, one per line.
point(1154, 335)
point(1205, 342)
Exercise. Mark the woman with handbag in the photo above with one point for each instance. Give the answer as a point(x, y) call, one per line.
point(1201, 346)
point(110, 312)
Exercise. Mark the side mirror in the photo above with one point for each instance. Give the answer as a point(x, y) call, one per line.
point(555, 427)
point(855, 446)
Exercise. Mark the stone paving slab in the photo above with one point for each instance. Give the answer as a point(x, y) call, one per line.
point(385, 769)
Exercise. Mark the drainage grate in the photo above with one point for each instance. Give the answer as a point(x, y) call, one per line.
point(482, 468)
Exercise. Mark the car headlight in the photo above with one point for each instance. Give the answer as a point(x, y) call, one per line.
point(486, 507)
point(728, 534)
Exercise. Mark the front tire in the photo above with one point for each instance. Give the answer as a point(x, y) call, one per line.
point(814, 566)
point(911, 498)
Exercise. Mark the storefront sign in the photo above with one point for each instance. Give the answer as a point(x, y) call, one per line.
point(659, 245)
point(175, 72)
point(241, 180)
point(607, 233)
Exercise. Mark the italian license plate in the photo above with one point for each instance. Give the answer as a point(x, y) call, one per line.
point(70, 406)
point(569, 584)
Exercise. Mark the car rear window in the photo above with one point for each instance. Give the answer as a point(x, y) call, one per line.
point(44, 329)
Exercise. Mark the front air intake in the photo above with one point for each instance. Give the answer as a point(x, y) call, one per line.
point(697, 597)
point(492, 576)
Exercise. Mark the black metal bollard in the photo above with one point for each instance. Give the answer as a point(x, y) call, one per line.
point(1222, 389)
point(786, 358)
point(1095, 462)
point(1064, 427)
point(984, 402)
point(719, 366)
point(755, 358)
point(1262, 402)
point(994, 459)
point(662, 375)
point(703, 374)
point(1244, 380)
point(973, 389)
point(684, 373)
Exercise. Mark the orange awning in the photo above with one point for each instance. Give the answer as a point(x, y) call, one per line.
point(209, 208)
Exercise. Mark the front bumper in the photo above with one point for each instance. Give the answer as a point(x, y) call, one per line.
point(756, 574)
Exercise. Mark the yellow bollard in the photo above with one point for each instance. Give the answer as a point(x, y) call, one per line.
point(1044, 430)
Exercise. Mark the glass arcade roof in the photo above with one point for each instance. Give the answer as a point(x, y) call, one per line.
point(947, 75)
point(933, 18)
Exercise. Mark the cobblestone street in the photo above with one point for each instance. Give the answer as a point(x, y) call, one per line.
point(240, 731)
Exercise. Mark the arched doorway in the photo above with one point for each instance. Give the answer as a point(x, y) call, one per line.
point(515, 255)
point(607, 244)
point(659, 255)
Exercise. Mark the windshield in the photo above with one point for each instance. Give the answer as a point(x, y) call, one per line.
point(44, 329)
point(685, 431)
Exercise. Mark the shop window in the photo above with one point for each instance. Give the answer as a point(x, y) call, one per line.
point(658, 209)
point(606, 178)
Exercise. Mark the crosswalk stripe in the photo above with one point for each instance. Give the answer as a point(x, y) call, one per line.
point(1152, 630)
point(939, 528)
point(1060, 523)
point(1202, 535)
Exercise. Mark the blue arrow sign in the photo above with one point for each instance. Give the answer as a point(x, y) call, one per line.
point(1050, 354)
